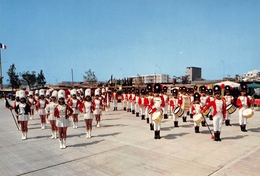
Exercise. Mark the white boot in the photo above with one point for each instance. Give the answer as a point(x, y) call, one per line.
point(73, 123)
point(52, 134)
point(87, 134)
point(64, 144)
point(55, 134)
point(61, 144)
point(76, 124)
point(98, 124)
point(23, 137)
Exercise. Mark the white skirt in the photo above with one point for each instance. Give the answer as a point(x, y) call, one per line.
point(88, 116)
point(51, 117)
point(75, 111)
point(97, 112)
point(62, 122)
point(42, 112)
point(23, 117)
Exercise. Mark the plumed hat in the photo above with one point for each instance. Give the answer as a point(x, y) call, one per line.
point(217, 89)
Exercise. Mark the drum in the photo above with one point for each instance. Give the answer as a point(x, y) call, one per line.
point(206, 113)
point(198, 118)
point(231, 108)
point(157, 116)
point(248, 113)
point(178, 111)
point(186, 103)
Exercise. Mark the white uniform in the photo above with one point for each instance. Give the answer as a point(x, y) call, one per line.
point(50, 108)
point(89, 113)
point(61, 121)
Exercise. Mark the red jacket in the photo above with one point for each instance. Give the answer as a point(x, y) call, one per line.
point(239, 102)
point(68, 111)
point(213, 103)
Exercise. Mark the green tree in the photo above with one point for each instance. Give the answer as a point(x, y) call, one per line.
point(29, 78)
point(14, 80)
point(90, 77)
point(40, 79)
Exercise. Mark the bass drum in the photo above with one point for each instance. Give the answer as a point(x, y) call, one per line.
point(248, 113)
point(198, 118)
point(231, 108)
point(178, 111)
point(157, 116)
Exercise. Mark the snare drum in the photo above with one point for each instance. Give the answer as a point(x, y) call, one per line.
point(178, 111)
point(231, 108)
point(198, 118)
point(157, 116)
point(248, 113)
point(206, 113)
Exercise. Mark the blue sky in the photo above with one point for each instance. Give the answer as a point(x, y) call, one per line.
point(125, 38)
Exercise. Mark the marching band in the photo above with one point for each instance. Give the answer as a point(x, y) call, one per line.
point(153, 102)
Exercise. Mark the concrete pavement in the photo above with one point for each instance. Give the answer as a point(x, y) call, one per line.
point(124, 145)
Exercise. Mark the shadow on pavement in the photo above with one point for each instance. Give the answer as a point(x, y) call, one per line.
point(86, 144)
point(254, 129)
point(235, 137)
point(110, 134)
point(173, 136)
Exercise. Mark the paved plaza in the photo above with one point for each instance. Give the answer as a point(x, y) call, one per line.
point(124, 145)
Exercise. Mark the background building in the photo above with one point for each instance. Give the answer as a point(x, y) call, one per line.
point(193, 73)
point(152, 78)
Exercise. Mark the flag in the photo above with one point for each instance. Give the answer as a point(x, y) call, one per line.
point(2, 46)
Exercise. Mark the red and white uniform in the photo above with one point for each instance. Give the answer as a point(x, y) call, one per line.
point(62, 113)
point(133, 97)
point(87, 109)
point(219, 112)
point(124, 100)
point(243, 103)
point(50, 108)
point(156, 105)
point(174, 103)
point(97, 106)
point(229, 100)
point(74, 104)
point(114, 98)
point(196, 109)
point(41, 105)
point(166, 101)
point(143, 103)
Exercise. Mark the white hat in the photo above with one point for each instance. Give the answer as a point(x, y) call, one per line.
point(73, 92)
point(103, 90)
point(30, 93)
point(17, 93)
point(54, 93)
point(87, 92)
point(22, 94)
point(97, 91)
point(48, 92)
point(41, 92)
point(37, 91)
point(61, 94)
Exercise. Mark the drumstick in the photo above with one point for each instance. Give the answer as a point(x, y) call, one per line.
point(212, 136)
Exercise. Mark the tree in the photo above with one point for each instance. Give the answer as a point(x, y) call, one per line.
point(41, 79)
point(29, 78)
point(13, 77)
point(90, 77)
